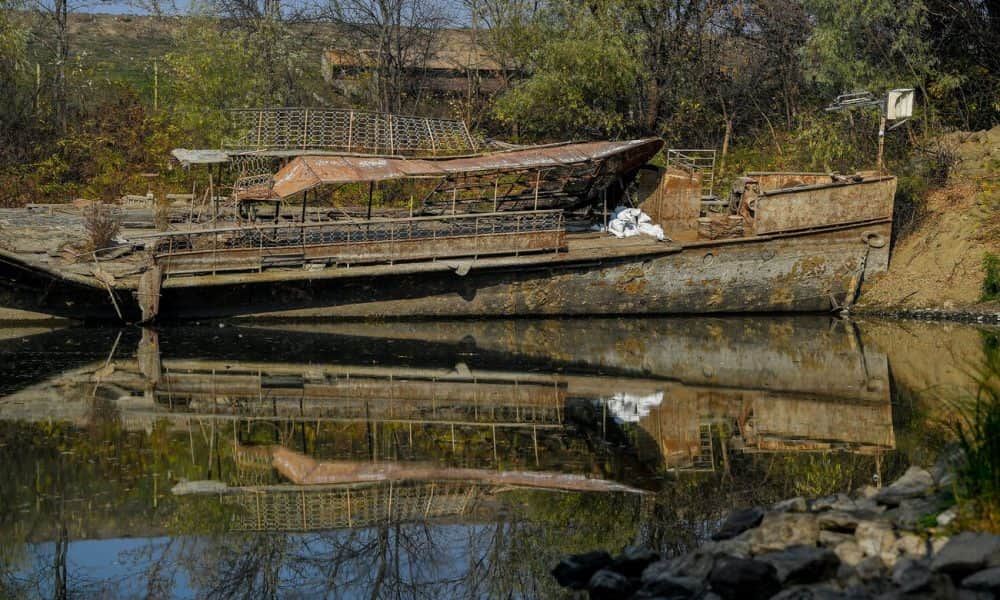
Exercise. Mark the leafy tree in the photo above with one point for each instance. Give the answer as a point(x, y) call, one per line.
point(583, 75)
point(875, 45)
point(16, 100)
point(211, 72)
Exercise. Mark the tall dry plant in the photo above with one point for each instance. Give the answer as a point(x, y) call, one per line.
point(102, 224)
point(978, 433)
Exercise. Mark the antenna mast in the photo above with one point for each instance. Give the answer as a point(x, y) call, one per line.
point(897, 105)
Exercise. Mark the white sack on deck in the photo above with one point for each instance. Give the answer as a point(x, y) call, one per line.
point(630, 408)
point(626, 222)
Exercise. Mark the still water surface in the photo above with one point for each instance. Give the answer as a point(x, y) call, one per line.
point(436, 459)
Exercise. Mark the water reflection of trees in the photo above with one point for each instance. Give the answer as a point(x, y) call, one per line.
point(505, 547)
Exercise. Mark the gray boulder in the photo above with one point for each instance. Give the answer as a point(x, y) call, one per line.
point(633, 561)
point(779, 530)
point(840, 502)
point(849, 552)
point(943, 471)
point(735, 547)
point(912, 576)
point(967, 553)
point(832, 539)
point(876, 538)
point(739, 521)
point(574, 572)
point(870, 569)
point(916, 482)
point(812, 592)
point(987, 580)
point(660, 568)
point(697, 564)
point(743, 578)
point(802, 564)
point(797, 504)
point(609, 585)
point(947, 516)
point(839, 520)
point(911, 545)
point(912, 510)
point(668, 586)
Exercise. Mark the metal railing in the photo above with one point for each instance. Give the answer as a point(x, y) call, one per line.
point(306, 509)
point(700, 161)
point(347, 130)
point(252, 246)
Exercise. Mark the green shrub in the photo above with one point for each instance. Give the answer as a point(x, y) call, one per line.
point(991, 278)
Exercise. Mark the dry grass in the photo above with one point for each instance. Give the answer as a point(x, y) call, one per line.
point(102, 224)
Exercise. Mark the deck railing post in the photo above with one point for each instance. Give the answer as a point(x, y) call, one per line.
point(517, 229)
point(538, 182)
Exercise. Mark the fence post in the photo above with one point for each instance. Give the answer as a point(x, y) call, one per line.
point(392, 241)
point(350, 132)
point(305, 128)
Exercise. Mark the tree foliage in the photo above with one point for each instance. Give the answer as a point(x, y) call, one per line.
point(749, 77)
point(582, 77)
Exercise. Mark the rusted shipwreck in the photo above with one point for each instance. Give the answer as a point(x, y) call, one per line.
point(420, 220)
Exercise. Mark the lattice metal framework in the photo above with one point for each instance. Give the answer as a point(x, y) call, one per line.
point(522, 189)
point(345, 130)
point(365, 398)
point(317, 510)
point(245, 165)
point(698, 160)
point(441, 228)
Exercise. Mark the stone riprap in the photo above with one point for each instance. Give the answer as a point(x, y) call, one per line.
point(871, 545)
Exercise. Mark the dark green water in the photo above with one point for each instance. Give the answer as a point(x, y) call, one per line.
point(436, 460)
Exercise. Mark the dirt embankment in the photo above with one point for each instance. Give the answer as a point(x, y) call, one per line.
point(939, 264)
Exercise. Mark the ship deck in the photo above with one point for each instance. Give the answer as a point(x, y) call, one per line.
point(50, 238)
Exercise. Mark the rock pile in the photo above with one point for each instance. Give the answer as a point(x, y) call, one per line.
point(886, 543)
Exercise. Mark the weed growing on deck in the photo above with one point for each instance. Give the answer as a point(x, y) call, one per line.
point(102, 225)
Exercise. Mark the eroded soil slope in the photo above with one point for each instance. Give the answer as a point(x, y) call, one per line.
point(940, 263)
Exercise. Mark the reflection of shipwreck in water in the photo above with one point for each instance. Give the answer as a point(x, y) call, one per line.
point(493, 405)
point(336, 507)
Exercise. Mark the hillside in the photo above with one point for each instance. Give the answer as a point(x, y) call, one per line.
point(939, 264)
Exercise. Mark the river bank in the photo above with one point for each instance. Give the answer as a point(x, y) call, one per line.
point(937, 266)
point(985, 314)
point(898, 541)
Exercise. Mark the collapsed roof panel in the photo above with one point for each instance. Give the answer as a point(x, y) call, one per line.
point(307, 172)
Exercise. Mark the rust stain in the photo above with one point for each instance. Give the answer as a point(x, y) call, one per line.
point(630, 347)
point(632, 281)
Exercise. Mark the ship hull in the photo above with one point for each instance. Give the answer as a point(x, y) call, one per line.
point(810, 272)
point(815, 271)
